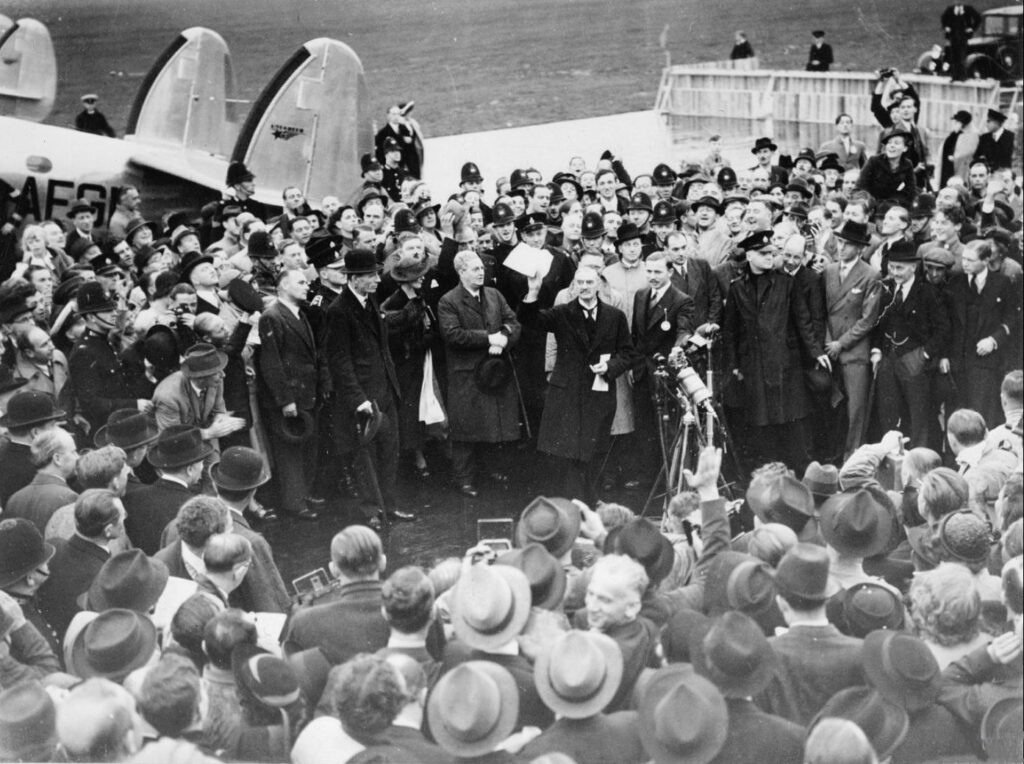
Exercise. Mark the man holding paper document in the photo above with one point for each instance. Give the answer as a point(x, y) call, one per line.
point(594, 348)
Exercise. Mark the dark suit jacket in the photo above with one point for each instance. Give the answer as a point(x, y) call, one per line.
point(703, 288)
point(994, 318)
point(815, 662)
point(290, 370)
point(16, 468)
point(919, 320)
point(651, 336)
point(352, 623)
point(998, 154)
point(853, 159)
point(810, 287)
point(149, 509)
point(601, 739)
point(852, 306)
point(98, 379)
point(72, 568)
point(758, 738)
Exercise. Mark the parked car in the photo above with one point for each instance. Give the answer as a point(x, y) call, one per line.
point(994, 52)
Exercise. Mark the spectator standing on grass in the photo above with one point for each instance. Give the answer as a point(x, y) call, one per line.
point(959, 22)
point(741, 48)
point(820, 58)
point(92, 120)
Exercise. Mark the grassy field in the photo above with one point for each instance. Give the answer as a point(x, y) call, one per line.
point(474, 66)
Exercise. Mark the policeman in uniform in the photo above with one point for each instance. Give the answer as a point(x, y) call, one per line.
point(24, 566)
point(325, 253)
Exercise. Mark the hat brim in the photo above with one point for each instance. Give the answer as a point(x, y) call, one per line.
point(600, 699)
point(56, 416)
point(749, 684)
point(11, 576)
point(360, 271)
point(103, 438)
point(222, 362)
point(521, 604)
point(410, 275)
point(829, 514)
point(225, 482)
point(771, 146)
point(492, 382)
point(157, 459)
point(657, 687)
point(144, 597)
point(370, 425)
point(80, 665)
point(295, 429)
point(508, 713)
point(852, 239)
point(912, 699)
point(568, 529)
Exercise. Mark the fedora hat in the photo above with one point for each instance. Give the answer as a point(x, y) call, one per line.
point(864, 608)
point(178, 446)
point(579, 673)
point(240, 469)
point(28, 723)
point(367, 425)
point(369, 195)
point(295, 429)
point(964, 537)
point(764, 143)
point(855, 524)
point(1002, 728)
point(641, 540)
point(492, 374)
point(822, 480)
point(360, 262)
point(735, 655)
point(750, 587)
point(902, 668)
point(883, 723)
point(777, 497)
point(683, 717)
point(128, 429)
point(81, 205)
point(800, 186)
point(311, 668)
point(202, 360)
point(269, 679)
point(113, 645)
point(92, 297)
point(30, 407)
point(490, 605)
point(546, 576)
point(472, 708)
point(554, 523)
point(129, 580)
point(903, 251)
point(803, 572)
point(854, 232)
point(244, 296)
point(22, 549)
point(818, 380)
point(894, 132)
point(409, 268)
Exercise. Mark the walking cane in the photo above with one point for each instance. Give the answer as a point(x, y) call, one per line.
point(519, 396)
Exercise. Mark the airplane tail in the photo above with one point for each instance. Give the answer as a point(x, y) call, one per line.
point(28, 70)
point(308, 127)
point(185, 101)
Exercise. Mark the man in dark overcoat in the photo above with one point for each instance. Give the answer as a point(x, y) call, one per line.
point(767, 328)
point(478, 327)
point(594, 349)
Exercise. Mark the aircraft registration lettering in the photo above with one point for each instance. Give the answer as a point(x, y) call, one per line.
point(62, 194)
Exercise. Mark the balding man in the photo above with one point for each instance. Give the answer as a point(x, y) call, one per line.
point(54, 454)
point(98, 721)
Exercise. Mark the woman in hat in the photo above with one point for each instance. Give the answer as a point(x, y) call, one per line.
point(889, 174)
point(412, 334)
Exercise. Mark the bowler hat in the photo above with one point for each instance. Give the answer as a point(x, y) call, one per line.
point(368, 424)
point(734, 654)
point(545, 574)
point(831, 162)
point(242, 294)
point(764, 143)
point(1002, 729)
point(995, 116)
point(30, 407)
point(554, 523)
point(128, 580)
point(113, 645)
point(127, 429)
point(28, 723)
point(502, 214)
point(640, 201)
point(627, 232)
point(707, 201)
point(683, 717)
point(295, 429)
point(202, 360)
point(409, 268)
point(22, 549)
point(964, 537)
point(470, 173)
point(269, 679)
point(360, 262)
point(137, 224)
point(822, 480)
point(755, 240)
point(883, 723)
point(178, 446)
point(664, 213)
point(803, 572)
point(578, 675)
point(854, 232)
point(492, 374)
point(902, 251)
point(800, 186)
point(490, 605)
point(855, 524)
point(368, 163)
point(473, 708)
point(240, 469)
point(641, 540)
point(902, 668)
point(593, 225)
point(260, 246)
point(865, 607)
point(81, 205)
point(92, 297)
point(238, 173)
point(778, 498)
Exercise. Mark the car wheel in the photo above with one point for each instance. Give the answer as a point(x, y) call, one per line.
point(981, 68)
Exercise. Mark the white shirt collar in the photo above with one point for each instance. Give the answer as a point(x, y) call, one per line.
point(971, 455)
point(657, 294)
point(907, 286)
point(193, 563)
point(398, 639)
point(293, 309)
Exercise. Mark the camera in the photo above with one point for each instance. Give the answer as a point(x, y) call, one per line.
point(886, 73)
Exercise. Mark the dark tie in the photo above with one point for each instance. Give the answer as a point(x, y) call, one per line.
point(898, 302)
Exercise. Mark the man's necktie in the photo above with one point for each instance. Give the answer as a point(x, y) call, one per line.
point(898, 302)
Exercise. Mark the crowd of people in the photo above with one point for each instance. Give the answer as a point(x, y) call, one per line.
point(848, 587)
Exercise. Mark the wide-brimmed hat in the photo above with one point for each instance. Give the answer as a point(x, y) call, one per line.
point(883, 723)
point(22, 549)
point(779, 496)
point(127, 429)
point(268, 678)
point(178, 446)
point(707, 201)
point(854, 232)
point(113, 645)
point(129, 580)
point(360, 262)
point(81, 205)
point(202, 360)
point(683, 717)
point(424, 206)
point(30, 407)
point(240, 469)
point(1002, 729)
point(137, 224)
point(409, 268)
point(641, 540)
point(546, 576)
point(735, 655)
point(473, 707)
point(28, 723)
point(579, 673)
point(92, 297)
point(964, 537)
point(865, 607)
point(490, 605)
point(554, 523)
point(855, 524)
point(492, 374)
point(764, 143)
point(295, 429)
point(902, 668)
point(803, 572)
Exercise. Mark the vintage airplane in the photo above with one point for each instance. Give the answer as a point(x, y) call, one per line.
point(307, 128)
